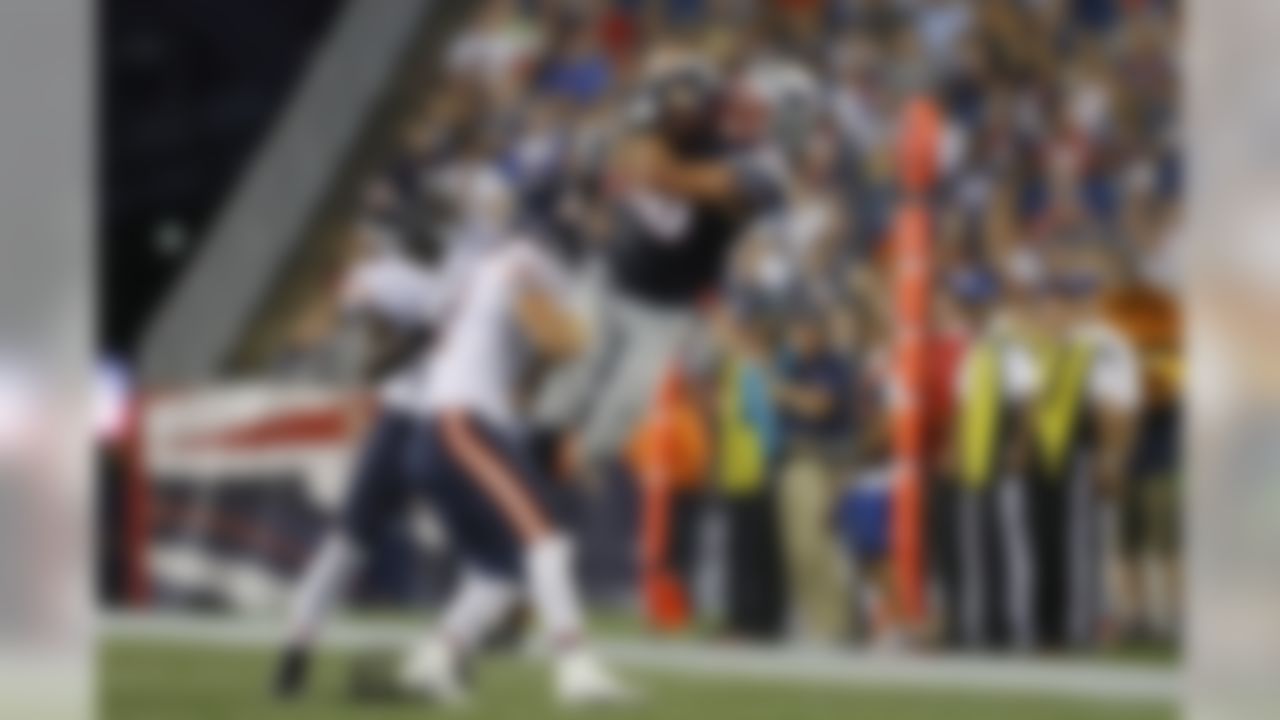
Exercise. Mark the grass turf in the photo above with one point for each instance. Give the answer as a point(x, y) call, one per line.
point(145, 681)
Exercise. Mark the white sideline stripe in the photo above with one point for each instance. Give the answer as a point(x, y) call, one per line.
point(1094, 680)
point(1076, 679)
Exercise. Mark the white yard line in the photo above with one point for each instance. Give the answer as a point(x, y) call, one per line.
point(1083, 679)
point(1079, 679)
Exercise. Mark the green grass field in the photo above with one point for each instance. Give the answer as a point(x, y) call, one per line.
point(143, 681)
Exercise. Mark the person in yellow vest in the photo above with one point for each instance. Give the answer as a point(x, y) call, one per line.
point(1088, 392)
point(746, 451)
point(994, 386)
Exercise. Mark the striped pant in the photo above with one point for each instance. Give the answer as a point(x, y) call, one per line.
point(1067, 536)
point(487, 489)
point(994, 559)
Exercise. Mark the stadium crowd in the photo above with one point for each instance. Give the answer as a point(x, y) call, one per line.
point(1052, 397)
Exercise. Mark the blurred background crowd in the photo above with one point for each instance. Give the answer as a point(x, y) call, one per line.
point(1053, 389)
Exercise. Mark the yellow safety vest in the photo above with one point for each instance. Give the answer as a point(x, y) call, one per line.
point(741, 456)
point(983, 404)
point(1065, 369)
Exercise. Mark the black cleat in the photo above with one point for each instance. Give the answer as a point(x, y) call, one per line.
point(291, 673)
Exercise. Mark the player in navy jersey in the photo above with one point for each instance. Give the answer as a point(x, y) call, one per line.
point(692, 170)
point(399, 291)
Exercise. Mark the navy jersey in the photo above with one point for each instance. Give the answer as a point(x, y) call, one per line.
point(678, 265)
point(670, 250)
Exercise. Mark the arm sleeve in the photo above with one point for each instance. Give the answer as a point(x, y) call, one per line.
point(394, 289)
point(1116, 381)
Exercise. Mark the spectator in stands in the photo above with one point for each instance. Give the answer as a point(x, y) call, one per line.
point(578, 71)
point(498, 48)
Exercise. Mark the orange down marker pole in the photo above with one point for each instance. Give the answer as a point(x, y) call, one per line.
point(917, 153)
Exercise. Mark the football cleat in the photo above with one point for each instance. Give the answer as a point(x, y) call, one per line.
point(581, 679)
point(291, 673)
point(432, 671)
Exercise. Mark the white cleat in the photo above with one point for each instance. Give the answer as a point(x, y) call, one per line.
point(433, 672)
point(582, 680)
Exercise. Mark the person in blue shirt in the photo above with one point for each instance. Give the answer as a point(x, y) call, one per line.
point(815, 396)
point(581, 73)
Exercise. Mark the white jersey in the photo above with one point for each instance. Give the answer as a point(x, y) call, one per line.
point(481, 353)
point(408, 295)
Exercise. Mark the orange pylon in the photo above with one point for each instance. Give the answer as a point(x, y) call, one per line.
point(917, 158)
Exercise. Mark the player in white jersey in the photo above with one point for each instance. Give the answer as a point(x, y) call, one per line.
point(407, 295)
point(510, 312)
